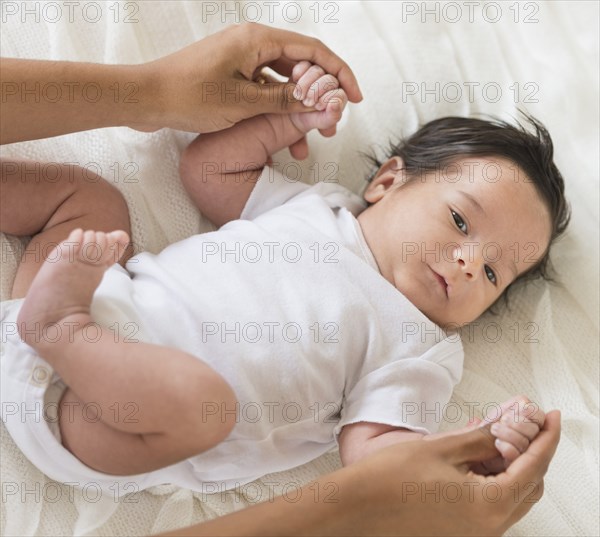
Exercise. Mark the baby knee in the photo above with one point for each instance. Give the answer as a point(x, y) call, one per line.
point(220, 412)
point(212, 414)
point(98, 198)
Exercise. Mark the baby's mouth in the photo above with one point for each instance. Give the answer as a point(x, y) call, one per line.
point(441, 280)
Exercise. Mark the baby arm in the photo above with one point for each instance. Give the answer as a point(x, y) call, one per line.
point(219, 170)
point(360, 439)
point(519, 423)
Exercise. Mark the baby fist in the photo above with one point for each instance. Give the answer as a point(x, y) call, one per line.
point(320, 90)
point(519, 424)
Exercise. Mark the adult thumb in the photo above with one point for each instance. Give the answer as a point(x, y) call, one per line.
point(470, 447)
point(271, 98)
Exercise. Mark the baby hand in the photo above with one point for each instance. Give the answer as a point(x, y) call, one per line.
point(519, 424)
point(319, 90)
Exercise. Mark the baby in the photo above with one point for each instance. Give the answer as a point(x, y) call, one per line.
point(306, 321)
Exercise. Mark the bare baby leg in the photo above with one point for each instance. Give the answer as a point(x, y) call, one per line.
point(166, 388)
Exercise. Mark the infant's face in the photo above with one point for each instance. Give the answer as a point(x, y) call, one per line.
point(453, 240)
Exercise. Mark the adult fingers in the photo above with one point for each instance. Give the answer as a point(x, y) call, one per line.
point(524, 502)
point(274, 44)
point(269, 98)
point(283, 66)
point(473, 446)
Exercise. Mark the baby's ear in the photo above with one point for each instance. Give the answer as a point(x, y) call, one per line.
point(388, 175)
point(394, 164)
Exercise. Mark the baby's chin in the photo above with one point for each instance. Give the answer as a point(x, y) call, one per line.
point(452, 325)
point(447, 325)
point(447, 322)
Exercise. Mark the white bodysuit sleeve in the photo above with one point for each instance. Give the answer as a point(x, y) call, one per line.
point(409, 392)
point(271, 190)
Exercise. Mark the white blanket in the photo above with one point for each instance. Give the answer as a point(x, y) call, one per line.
point(485, 58)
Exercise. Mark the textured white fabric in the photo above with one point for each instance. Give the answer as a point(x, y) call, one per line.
point(545, 346)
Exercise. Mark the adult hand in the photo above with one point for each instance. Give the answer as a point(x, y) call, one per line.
point(429, 488)
point(211, 85)
point(205, 87)
point(413, 488)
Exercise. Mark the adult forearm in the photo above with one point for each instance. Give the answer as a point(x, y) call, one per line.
point(41, 99)
point(390, 493)
point(332, 505)
point(182, 91)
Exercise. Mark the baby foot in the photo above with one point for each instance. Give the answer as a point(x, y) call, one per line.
point(58, 301)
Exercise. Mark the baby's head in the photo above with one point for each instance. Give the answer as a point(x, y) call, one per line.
point(461, 210)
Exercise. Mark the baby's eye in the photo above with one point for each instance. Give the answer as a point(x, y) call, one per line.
point(490, 274)
point(459, 221)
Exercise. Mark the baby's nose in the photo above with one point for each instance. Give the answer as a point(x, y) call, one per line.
point(470, 263)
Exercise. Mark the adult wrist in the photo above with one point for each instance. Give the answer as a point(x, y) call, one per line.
point(143, 104)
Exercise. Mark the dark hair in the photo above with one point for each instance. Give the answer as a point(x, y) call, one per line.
point(443, 141)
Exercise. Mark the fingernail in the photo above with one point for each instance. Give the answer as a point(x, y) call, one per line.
point(297, 93)
point(498, 443)
point(495, 428)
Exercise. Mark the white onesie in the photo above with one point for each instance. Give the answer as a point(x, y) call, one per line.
point(288, 305)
